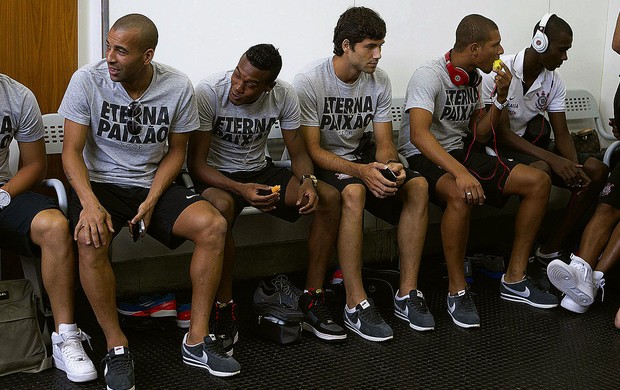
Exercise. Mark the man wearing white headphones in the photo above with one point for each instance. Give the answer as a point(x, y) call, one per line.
point(444, 117)
point(537, 88)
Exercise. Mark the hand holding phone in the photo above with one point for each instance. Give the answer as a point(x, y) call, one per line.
point(388, 174)
point(137, 230)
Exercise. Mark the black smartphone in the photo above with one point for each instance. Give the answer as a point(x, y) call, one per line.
point(388, 174)
point(138, 230)
point(262, 192)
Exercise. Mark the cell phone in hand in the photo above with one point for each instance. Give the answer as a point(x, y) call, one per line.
point(388, 174)
point(137, 230)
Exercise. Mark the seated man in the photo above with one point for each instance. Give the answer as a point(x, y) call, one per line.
point(598, 251)
point(127, 125)
point(32, 224)
point(444, 119)
point(339, 97)
point(537, 88)
point(230, 170)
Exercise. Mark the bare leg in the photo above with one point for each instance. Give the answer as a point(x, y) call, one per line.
point(454, 232)
point(50, 231)
point(601, 236)
point(533, 186)
point(412, 231)
point(579, 203)
point(205, 226)
point(350, 232)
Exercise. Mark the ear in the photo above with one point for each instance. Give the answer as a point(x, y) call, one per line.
point(148, 56)
point(346, 45)
point(474, 49)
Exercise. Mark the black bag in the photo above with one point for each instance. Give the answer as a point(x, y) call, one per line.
point(538, 132)
point(23, 332)
point(282, 325)
point(381, 285)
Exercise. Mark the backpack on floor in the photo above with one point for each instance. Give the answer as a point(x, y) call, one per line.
point(381, 285)
point(23, 331)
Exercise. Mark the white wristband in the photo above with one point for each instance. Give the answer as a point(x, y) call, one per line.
point(499, 105)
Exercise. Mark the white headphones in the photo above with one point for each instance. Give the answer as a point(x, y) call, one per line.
point(540, 42)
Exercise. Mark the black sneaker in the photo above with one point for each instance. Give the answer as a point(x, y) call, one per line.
point(317, 318)
point(224, 325)
point(413, 309)
point(367, 322)
point(118, 369)
point(210, 355)
point(462, 309)
point(527, 292)
point(538, 274)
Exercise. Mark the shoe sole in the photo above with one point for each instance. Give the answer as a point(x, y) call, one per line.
point(323, 336)
point(565, 282)
point(462, 324)
point(75, 377)
point(403, 317)
point(513, 298)
point(221, 374)
point(131, 388)
point(183, 324)
point(157, 313)
point(365, 336)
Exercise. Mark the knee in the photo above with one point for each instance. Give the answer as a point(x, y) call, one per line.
point(417, 190)
point(597, 171)
point(226, 206)
point(211, 227)
point(353, 198)
point(52, 224)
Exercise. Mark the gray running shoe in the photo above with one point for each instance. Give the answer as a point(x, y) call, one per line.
point(118, 369)
point(527, 292)
point(281, 292)
point(210, 355)
point(463, 311)
point(414, 310)
point(367, 322)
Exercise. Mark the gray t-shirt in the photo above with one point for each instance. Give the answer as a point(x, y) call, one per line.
point(20, 118)
point(240, 132)
point(342, 111)
point(112, 154)
point(431, 89)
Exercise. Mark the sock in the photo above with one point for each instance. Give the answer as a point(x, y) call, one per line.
point(62, 328)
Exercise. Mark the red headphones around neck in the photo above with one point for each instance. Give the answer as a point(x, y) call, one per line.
point(459, 76)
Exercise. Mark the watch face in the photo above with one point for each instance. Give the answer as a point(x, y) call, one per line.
point(5, 198)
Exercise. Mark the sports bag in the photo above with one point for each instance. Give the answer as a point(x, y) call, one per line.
point(22, 330)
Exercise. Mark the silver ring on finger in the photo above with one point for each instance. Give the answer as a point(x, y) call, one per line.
point(468, 193)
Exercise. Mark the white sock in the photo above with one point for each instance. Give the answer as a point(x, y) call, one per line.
point(62, 328)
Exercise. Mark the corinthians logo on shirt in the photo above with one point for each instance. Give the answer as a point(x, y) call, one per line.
point(460, 104)
point(343, 114)
point(154, 124)
point(241, 131)
point(6, 132)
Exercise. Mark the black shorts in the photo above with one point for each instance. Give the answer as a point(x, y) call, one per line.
point(271, 176)
point(488, 170)
point(16, 219)
point(611, 192)
point(388, 209)
point(526, 159)
point(122, 203)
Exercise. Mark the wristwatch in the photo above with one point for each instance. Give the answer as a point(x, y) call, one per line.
point(5, 199)
point(500, 106)
point(315, 183)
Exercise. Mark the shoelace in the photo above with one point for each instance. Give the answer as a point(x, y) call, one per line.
point(371, 315)
point(281, 283)
point(584, 272)
point(418, 304)
point(466, 301)
point(118, 364)
point(601, 284)
point(217, 348)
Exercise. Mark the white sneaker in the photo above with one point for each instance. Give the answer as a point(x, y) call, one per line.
point(69, 355)
point(574, 279)
point(570, 305)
